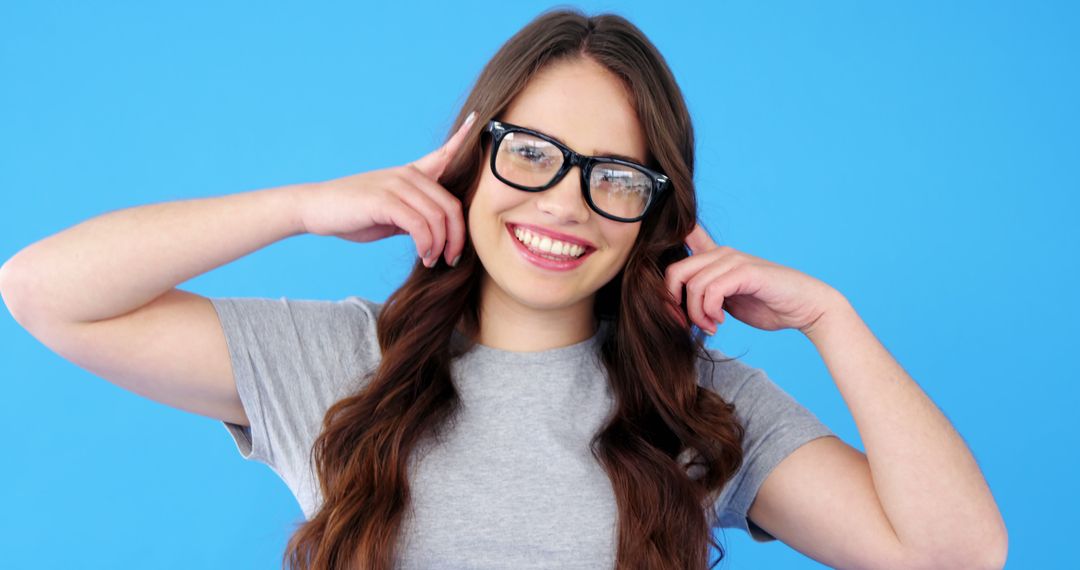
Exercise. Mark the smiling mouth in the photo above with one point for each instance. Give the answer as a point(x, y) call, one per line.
point(548, 247)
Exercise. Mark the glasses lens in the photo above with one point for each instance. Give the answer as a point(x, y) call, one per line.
point(616, 189)
point(527, 160)
point(620, 190)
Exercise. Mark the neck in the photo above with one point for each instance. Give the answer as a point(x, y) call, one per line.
point(508, 325)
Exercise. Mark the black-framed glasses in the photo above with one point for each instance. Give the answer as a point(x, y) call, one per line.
point(618, 189)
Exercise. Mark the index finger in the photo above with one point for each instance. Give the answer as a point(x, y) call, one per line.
point(435, 161)
point(699, 240)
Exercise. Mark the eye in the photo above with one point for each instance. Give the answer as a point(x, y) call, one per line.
point(529, 152)
point(623, 181)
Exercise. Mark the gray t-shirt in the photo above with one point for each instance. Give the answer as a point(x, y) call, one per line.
point(513, 484)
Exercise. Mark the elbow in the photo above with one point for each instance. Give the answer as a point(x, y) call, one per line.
point(978, 542)
point(990, 555)
point(997, 554)
point(8, 274)
point(5, 269)
point(990, 558)
point(996, 546)
point(6, 286)
point(10, 293)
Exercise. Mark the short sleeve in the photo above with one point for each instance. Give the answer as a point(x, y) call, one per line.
point(775, 425)
point(291, 360)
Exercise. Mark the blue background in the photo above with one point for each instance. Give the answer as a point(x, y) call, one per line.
point(920, 157)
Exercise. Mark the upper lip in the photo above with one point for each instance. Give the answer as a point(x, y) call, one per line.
point(552, 234)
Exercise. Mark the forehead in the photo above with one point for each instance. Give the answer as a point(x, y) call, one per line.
point(584, 105)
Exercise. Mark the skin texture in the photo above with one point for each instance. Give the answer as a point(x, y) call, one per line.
point(526, 308)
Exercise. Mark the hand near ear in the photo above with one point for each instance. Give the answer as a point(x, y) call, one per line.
point(760, 293)
point(403, 199)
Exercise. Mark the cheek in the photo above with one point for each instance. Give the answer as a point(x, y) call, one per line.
point(489, 205)
point(621, 239)
point(481, 208)
point(493, 199)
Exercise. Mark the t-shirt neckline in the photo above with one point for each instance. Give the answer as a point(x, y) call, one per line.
point(562, 353)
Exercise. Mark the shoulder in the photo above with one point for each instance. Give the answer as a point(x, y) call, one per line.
point(775, 425)
point(724, 374)
point(316, 330)
point(352, 307)
point(348, 309)
point(761, 405)
point(347, 324)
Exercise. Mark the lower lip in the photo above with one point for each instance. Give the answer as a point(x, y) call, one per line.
point(543, 261)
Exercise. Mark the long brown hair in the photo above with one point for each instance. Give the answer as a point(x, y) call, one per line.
point(669, 445)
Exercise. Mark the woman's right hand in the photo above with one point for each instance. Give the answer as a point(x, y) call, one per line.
point(373, 205)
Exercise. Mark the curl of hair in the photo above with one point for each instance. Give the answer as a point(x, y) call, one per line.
point(663, 427)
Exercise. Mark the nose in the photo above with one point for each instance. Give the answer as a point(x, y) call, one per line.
point(565, 201)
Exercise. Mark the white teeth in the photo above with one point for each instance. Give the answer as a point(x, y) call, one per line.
point(548, 245)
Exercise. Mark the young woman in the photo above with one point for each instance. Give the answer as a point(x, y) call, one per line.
point(537, 394)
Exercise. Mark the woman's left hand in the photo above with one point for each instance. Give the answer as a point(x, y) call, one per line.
point(759, 293)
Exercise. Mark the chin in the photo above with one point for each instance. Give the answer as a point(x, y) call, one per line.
point(527, 291)
point(550, 302)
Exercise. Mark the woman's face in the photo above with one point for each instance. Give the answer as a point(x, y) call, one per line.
point(586, 107)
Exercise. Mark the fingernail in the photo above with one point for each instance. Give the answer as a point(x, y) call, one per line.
point(454, 262)
point(470, 118)
point(426, 255)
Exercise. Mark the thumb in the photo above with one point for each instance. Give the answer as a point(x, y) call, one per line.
point(435, 162)
point(699, 240)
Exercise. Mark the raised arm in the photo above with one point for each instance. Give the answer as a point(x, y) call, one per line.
point(103, 294)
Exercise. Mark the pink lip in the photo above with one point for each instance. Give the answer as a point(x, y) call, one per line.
point(552, 234)
point(545, 262)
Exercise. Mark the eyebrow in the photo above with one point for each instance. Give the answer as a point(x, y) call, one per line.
point(600, 153)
